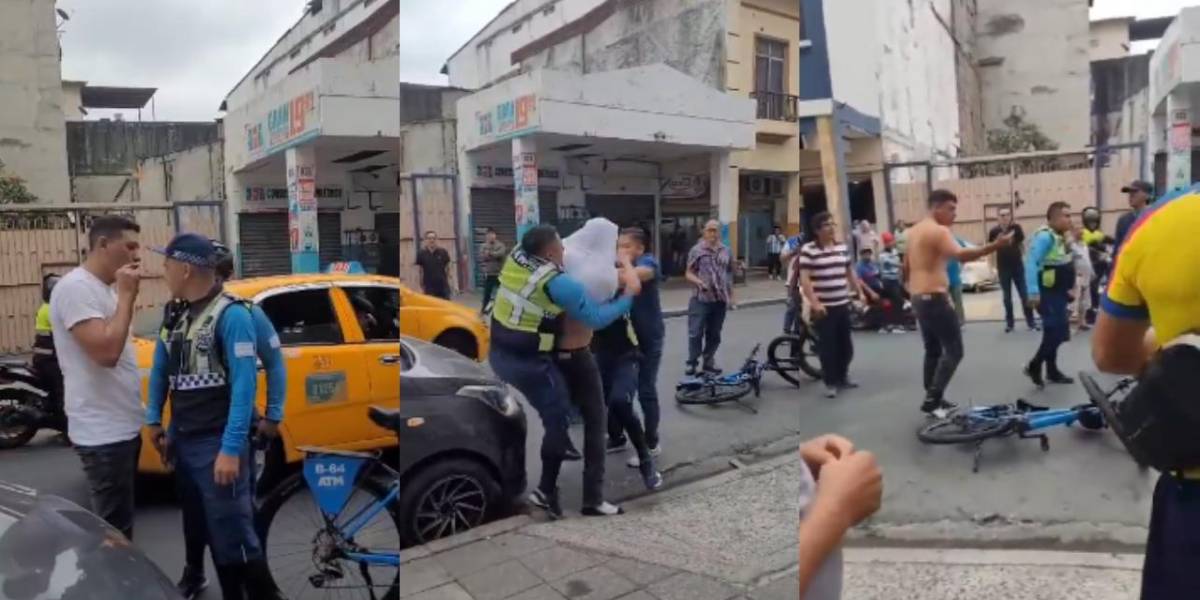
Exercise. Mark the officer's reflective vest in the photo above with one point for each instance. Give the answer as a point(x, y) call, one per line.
point(1058, 266)
point(524, 318)
point(43, 341)
point(196, 368)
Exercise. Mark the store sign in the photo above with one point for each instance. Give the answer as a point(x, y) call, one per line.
point(285, 124)
point(486, 172)
point(265, 194)
point(302, 209)
point(685, 186)
point(509, 118)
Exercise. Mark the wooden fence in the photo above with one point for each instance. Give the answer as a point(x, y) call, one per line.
point(979, 198)
point(36, 241)
point(427, 203)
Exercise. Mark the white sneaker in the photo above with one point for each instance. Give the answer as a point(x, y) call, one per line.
point(634, 462)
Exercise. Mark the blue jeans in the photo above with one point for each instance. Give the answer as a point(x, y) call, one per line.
point(1056, 330)
point(705, 320)
point(649, 359)
point(228, 510)
point(1172, 549)
point(543, 384)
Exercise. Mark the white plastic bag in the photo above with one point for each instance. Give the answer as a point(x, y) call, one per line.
point(591, 257)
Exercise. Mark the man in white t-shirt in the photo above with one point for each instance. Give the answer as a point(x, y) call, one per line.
point(90, 312)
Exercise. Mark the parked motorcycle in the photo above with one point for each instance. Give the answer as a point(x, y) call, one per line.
point(29, 402)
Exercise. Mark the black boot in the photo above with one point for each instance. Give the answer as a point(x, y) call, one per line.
point(259, 582)
point(193, 582)
point(233, 582)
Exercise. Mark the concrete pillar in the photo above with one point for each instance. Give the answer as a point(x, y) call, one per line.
point(465, 225)
point(795, 192)
point(1179, 140)
point(235, 201)
point(723, 195)
point(302, 209)
point(833, 173)
point(879, 190)
point(525, 184)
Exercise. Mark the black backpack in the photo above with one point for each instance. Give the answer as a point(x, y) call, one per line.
point(1159, 420)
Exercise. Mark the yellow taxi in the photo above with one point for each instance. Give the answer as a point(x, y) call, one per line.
point(340, 336)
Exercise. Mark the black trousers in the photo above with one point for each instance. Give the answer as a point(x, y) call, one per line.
point(490, 284)
point(586, 391)
point(774, 267)
point(836, 348)
point(111, 470)
point(1172, 554)
point(1014, 275)
point(942, 337)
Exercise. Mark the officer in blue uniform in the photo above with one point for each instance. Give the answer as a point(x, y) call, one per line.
point(204, 363)
point(195, 532)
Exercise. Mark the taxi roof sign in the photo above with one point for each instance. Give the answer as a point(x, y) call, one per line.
point(350, 267)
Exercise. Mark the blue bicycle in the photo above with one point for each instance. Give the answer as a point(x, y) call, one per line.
point(713, 389)
point(333, 530)
point(977, 424)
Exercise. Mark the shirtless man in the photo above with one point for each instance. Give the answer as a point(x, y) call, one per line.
point(930, 246)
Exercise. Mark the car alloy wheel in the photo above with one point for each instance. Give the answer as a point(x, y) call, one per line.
point(453, 504)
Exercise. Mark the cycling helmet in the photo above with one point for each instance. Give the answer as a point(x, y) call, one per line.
point(224, 260)
point(48, 283)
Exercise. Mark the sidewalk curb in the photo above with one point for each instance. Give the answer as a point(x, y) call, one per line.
point(976, 557)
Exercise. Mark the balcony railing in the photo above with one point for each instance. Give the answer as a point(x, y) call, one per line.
point(776, 106)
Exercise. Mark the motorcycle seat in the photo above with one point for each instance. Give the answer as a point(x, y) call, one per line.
point(386, 418)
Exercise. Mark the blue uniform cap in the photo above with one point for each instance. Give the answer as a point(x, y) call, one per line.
point(190, 248)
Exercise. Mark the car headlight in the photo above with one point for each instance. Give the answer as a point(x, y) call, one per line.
point(496, 397)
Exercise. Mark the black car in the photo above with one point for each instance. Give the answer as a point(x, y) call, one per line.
point(462, 443)
point(52, 549)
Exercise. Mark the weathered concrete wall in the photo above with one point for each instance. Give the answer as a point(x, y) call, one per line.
point(1034, 57)
point(687, 35)
point(971, 133)
point(192, 175)
point(72, 102)
point(916, 45)
point(1120, 97)
point(114, 147)
point(32, 139)
point(487, 56)
point(1108, 39)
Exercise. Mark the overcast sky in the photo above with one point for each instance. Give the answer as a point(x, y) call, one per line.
point(195, 52)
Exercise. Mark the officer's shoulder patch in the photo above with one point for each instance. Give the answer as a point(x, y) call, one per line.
point(243, 349)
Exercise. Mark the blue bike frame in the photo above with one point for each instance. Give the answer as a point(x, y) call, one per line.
point(333, 478)
point(1033, 420)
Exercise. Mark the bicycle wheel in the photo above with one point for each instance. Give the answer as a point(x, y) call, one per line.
point(962, 428)
point(304, 552)
point(714, 393)
point(789, 354)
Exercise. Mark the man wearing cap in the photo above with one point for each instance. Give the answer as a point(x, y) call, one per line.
point(1140, 193)
point(204, 362)
point(267, 350)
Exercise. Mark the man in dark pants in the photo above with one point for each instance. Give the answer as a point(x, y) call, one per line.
point(527, 353)
point(491, 258)
point(205, 364)
point(1050, 278)
point(648, 328)
point(828, 279)
point(91, 308)
point(1011, 269)
point(433, 264)
point(710, 270)
point(930, 246)
point(1140, 194)
point(1099, 246)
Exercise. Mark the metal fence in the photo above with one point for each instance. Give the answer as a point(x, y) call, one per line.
point(1026, 183)
point(38, 240)
point(430, 203)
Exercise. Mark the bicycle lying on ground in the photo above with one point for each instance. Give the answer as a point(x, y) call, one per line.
point(708, 388)
point(793, 353)
point(333, 530)
point(976, 424)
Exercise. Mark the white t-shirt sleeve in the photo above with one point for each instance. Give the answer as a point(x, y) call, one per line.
point(76, 304)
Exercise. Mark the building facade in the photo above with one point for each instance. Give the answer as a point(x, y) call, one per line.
point(311, 136)
point(653, 113)
point(32, 127)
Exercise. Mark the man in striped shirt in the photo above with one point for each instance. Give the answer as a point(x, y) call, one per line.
point(828, 280)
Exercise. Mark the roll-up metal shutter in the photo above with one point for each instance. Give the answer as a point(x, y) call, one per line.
point(329, 237)
point(263, 239)
point(265, 248)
